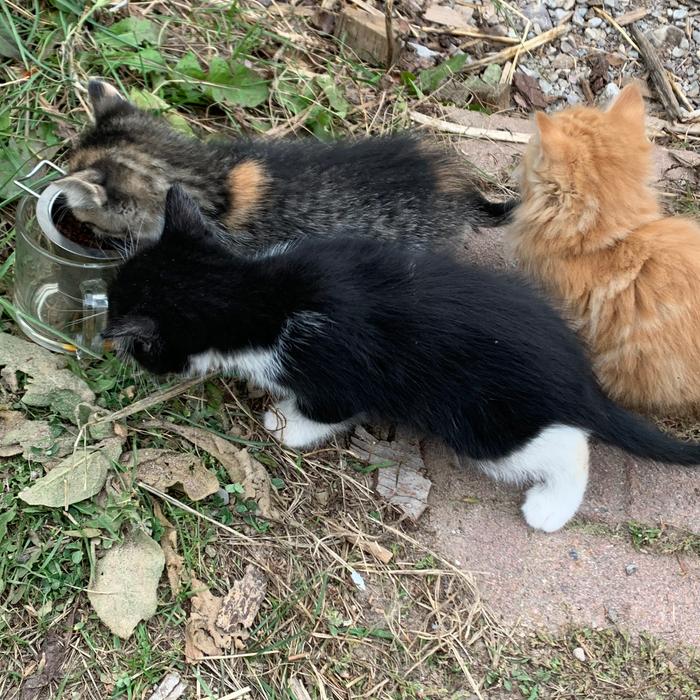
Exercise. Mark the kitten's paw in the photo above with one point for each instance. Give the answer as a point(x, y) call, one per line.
point(293, 429)
point(547, 508)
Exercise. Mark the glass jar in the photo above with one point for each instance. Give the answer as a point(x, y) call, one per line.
point(60, 290)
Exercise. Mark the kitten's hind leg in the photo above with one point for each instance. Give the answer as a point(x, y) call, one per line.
point(290, 426)
point(558, 459)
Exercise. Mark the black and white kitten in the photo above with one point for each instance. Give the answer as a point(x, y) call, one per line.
point(347, 330)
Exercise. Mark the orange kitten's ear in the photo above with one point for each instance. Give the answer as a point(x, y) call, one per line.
point(628, 107)
point(550, 135)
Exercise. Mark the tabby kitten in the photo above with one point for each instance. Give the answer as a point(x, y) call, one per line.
point(267, 191)
point(344, 330)
point(590, 230)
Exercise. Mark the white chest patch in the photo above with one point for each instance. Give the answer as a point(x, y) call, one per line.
point(262, 367)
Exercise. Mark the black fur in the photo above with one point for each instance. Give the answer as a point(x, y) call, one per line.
point(371, 329)
point(393, 188)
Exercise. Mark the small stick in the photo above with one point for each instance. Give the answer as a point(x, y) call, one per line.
point(681, 95)
point(389, 27)
point(473, 132)
point(237, 694)
point(158, 397)
point(613, 23)
point(380, 553)
point(472, 33)
point(657, 72)
point(512, 51)
point(632, 16)
point(692, 116)
point(184, 506)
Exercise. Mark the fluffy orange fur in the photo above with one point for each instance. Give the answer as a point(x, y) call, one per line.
point(591, 233)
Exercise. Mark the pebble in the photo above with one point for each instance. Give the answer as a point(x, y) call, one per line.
point(579, 653)
point(573, 554)
point(693, 89)
point(572, 99)
point(595, 34)
point(678, 52)
point(537, 13)
point(595, 22)
point(631, 569)
point(559, 15)
point(685, 44)
point(563, 61)
point(696, 36)
point(608, 93)
point(423, 51)
point(680, 14)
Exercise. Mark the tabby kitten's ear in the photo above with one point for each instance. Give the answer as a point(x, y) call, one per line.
point(105, 99)
point(183, 217)
point(628, 107)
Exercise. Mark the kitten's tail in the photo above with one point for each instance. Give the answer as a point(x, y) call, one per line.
point(492, 214)
point(623, 429)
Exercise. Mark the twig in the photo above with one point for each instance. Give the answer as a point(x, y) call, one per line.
point(657, 72)
point(389, 25)
point(681, 95)
point(380, 553)
point(691, 116)
point(174, 501)
point(512, 51)
point(472, 33)
point(473, 132)
point(237, 694)
point(613, 23)
point(158, 397)
point(632, 16)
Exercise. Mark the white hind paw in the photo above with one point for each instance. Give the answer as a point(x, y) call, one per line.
point(549, 509)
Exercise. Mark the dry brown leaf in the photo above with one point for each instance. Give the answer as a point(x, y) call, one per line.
point(215, 624)
point(53, 652)
point(18, 434)
point(124, 588)
point(165, 468)
point(401, 482)
point(530, 89)
point(239, 465)
point(168, 543)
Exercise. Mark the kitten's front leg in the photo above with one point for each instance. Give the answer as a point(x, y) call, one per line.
point(289, 425)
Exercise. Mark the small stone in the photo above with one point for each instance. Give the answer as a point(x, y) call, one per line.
point(693, 89)
point(577, 19)
point(680, 14)
point(678, 52)
point(685, 44)
point(612, 4)
point(563, 61)
point(573, 554)
point(492, 74)
point(580, 11)
point(547, 87)
point(579, 653)
point(559, 15)
point(595, 22)
point(631, 569)
point(696, 36)
point(537, 13)
point(667, 35)
point(608, 93)
point(612, 615)
point(423, 51)
point(595, 34)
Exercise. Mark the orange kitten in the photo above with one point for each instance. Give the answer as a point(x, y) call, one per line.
point(591, 232)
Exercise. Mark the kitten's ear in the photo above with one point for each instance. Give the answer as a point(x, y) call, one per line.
point(628, 107)
point(183, 217)
point(141, 328)
point(550, 134)
point(105, 99)
point(83, 190)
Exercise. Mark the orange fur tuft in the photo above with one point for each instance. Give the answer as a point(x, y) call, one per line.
point(247, 183)
point(590, 231)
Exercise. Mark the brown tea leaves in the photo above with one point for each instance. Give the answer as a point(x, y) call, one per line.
point(217, 624)
point(165, 468)
point(123, 590)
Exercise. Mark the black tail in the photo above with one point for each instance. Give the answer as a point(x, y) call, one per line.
point(494, 213)
point(638, 437)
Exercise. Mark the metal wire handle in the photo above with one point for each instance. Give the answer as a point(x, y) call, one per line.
point(33, 172)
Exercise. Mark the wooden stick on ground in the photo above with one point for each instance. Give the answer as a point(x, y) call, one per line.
point(474, 132)
point(512, 51)
point(657, 72)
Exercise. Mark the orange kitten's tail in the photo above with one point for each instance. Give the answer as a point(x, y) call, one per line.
point(619, 428)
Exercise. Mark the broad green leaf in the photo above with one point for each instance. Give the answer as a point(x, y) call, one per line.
point(235, 84)
point(431, 78)
point(335, 97)
point(146, 60)
point(77, 477)
point(147, 100)
point(131, 31)
point(189, 65)
point(5, 519)
point(124, 588)
point(294, 96)
point(8, 45)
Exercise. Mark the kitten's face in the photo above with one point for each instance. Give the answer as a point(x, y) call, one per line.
point(584, 153)
point(113, 184)
point(154, 313)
